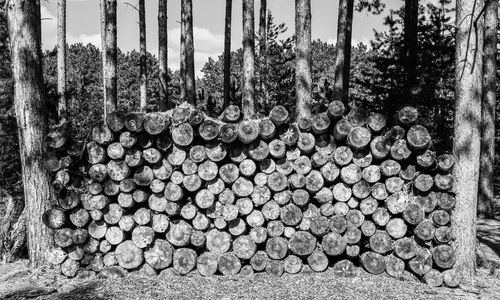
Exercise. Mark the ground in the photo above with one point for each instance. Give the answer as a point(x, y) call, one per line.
point(17, 282)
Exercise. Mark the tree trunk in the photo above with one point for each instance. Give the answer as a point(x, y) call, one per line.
point(30, 106)
point(182, 50)
point(143, 65)
point(110, 62)
point(61, 60)
point(410, 39)
point(102, 4)
point(263, 55)
point(248, 99)
point(303, 76)
point(187, 23)
point(488, 109)
point(466, 141)
point(163, 54)
point(342, 63)
point(227, 53)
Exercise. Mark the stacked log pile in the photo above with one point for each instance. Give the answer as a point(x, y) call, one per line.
point(182, 191)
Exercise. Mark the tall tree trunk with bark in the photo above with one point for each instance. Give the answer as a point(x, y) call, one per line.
point(61, 60)
point(466, 141)
point(30, 106)
point(187, 23)
point(342, 64)
point(163, 54)
point(488, 109)
point(263, 55)
point(102, 6)
point(227, 53)
point(111, 58)
point(143, 67)
point(410, 44)
point(182, 64)
point(303, 70)
point(248, 97)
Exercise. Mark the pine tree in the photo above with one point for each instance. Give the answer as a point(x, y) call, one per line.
point(248, 97)
point(303, 76)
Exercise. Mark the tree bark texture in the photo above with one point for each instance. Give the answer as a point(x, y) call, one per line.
point(61, 60)
point(187, 23)
point(30, 107)
point(303, 69)
point(111, 58)
point(485, 200)
point(248, 99)
point(227, 52)
point(264, 96)
point(466, 142)
point(342, 62)
point(143, 64)
point(163, 54)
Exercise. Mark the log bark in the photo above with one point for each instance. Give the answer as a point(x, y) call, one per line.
point(248, 94)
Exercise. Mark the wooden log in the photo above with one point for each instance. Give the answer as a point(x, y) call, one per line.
point(259, 261)
point(173, 209)
point(78, 217)
point(359, 137)
point(275, 228)
point(390, 168)
point(290, 215)
point(381, 216)
point(209, 130)
point(102, 135)
point(163, 142)
point(155, 123)
point(292, 153)
point(405, 248)
point(112, 213)
point(399, 150)
point(184, 260)
point(361, 189)
point(196, 117)
point(197, 153)
point(443, 182)
point(143, 176)
point(248, 131)
point(207, 263)
point(271, 210)
point(343, 155)
point(306, 143)
point(445, 201)
point(160, 256)
point(91, 246)
point(418, 137)
point(440, 217)
point(229, 212)
point(267, 129)
point(433, 278)
point(229, 264)
point(380, 147)
point(279, 115)
point(180, 115)
point(70, 267)
point(352, 234)
point(319, 159)
point(276, 247)
point(192, 183)
point(176, 156)
point(422, 262)
point(292, 264)
point(208, 170)
point(352, 251)
point(368, 206)
point(242, 187)
point(351, 174)
point(63, 237)
point(227, 197)
point(114, 235)
point(362, 158)
point(317, 261)
point(133, 157)
point(245, 206)
point(247, 167)
point(140, 196)
point(379, 191)
point(289, 134)
point(275, 268)
point(179, 233)
point(119, 170)
point(128, 139)
point(355, 218)
point(344, 268)
point(325, 144)
point(128, 255)
point(277, 148)
point(425, 230)
point(413, 214)
point(216, 151)
point(302, 243)
point(407, 115)
point(134, 121)
point(215, 186)
point(95, 188)
point(336, 109)
point(277, 182)
point(300, 197)
point(376, 122)
point(394, 184)
point(255, 219)
point(408, 173)
point(302, 165)
point(238, 153)
point(373, 263)
point(427, 159)
point(160, 223)
point(443, 234)
point(396, 228)
point(397, 202)
point(228, 133)
point(97, 263)
point(394, 266)
point(368, 228)
point(258, 234)
point(96, 153)
point(424, 182)
point(341, 208)
point(267, 166)
point(97, 229)
point(341, 192)
point(98, 172)
point(217, 241)
point(353, 203)
point(115, 120)
point(157, 186)
point(304, 124)
point(445, 162)
point(200, 221)
point(142, 216)
point(204, 199)
point(320, 123)
point(244, 247)
point(289, 232)
point(371, 174)
point(126, 223)
point(358, 116)
point(451, 278)
point(69, 201)
point(319, 225)
point(333, 244)
point(95, 215)
point(115, 150)
point(152, 155)
point(143, 236)
point(197, 239)
point(229, 173)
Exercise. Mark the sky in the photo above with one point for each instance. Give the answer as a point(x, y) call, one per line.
point(208, 20)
